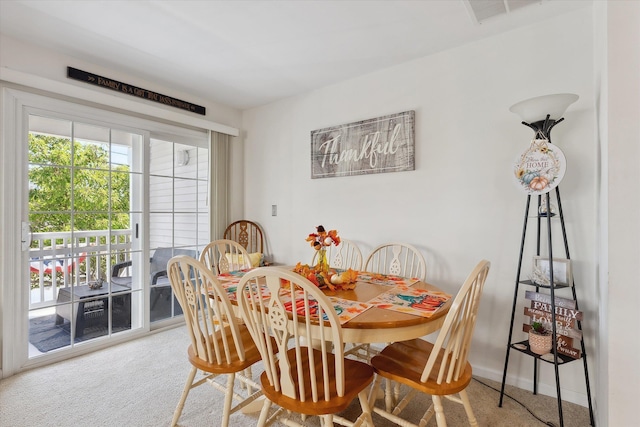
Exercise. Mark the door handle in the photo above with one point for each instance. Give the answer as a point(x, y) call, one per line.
point(26, 236)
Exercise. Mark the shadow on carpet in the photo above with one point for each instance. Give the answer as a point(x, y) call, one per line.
point(45, 335)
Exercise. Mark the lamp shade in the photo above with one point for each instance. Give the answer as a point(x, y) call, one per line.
point(536, 109)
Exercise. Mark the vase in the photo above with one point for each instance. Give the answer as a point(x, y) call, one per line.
point(323, 264)
point(540, 344)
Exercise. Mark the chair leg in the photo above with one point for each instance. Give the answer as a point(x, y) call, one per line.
point(366, 409)
point(467, 407)
point(375, 390)
point(247, 373)
point(396, 392)
point(264, 413)
point(183, 398)
point(388, 396)
point(437, 405)
point(228, 399)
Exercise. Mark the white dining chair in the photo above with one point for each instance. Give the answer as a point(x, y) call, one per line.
point(345, 256)
point(440, 369)
point(223, 256)
point(399, 259)
point(220, 345)
point(310, 380)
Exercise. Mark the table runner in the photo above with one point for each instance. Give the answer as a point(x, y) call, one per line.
point(401, 296)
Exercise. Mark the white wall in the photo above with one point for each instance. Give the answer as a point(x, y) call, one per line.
point(460, 204)
point(622, 145)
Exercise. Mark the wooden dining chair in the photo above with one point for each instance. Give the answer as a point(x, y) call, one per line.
point(438, 369)
point(219, 344)
point(302, 379)
point(399, 259)
point(247, 233)
point(223, 256)
point(345, 256)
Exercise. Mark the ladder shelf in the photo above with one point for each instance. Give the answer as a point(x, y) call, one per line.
point(555, 357)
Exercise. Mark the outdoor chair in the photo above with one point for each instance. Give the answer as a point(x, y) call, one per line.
point(160, 294)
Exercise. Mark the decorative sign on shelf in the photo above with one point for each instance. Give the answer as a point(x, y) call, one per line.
point(384, 144)
point(566, 317)
point(94, 79)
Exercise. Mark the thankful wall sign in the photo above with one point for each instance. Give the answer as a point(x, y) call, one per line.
point(384, 144)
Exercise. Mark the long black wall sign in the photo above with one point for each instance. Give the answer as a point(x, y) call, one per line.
point(94, 79)
point(383, 144)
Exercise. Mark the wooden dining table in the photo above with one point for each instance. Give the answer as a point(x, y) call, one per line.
point(381, 325)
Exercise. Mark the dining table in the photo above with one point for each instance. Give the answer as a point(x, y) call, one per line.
point(384, 325)
point(383, 308)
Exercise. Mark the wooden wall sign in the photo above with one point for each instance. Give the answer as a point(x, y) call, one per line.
point(384, 144)
point(566, 317)
point(94, 79)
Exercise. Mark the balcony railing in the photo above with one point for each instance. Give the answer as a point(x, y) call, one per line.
point(61, 259)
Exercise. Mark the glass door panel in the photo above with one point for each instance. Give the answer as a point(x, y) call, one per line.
point(178, 211)
point(82, 217)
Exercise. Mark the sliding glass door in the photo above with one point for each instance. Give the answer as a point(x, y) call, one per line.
point(100, 202)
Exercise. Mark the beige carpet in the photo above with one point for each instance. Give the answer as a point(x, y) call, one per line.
point(139, 383)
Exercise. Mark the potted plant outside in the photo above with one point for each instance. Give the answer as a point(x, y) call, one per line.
point(540, 339)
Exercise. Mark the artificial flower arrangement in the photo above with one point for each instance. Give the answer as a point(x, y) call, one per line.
point(321, 274)
point(321, 239)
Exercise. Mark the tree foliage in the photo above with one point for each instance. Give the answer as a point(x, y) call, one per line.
point(59, 201)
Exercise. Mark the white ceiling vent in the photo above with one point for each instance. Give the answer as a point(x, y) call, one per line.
point(481, 10)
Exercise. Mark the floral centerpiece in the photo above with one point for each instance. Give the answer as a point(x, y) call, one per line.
point(320, 240)
point(321, 274)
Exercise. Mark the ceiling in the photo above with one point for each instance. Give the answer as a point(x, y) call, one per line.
point(248, 53)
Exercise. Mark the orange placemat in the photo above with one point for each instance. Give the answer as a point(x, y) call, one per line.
point(385, 279)
point(405, 299)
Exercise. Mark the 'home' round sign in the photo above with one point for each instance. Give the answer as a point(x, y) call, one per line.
point(541, 168)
